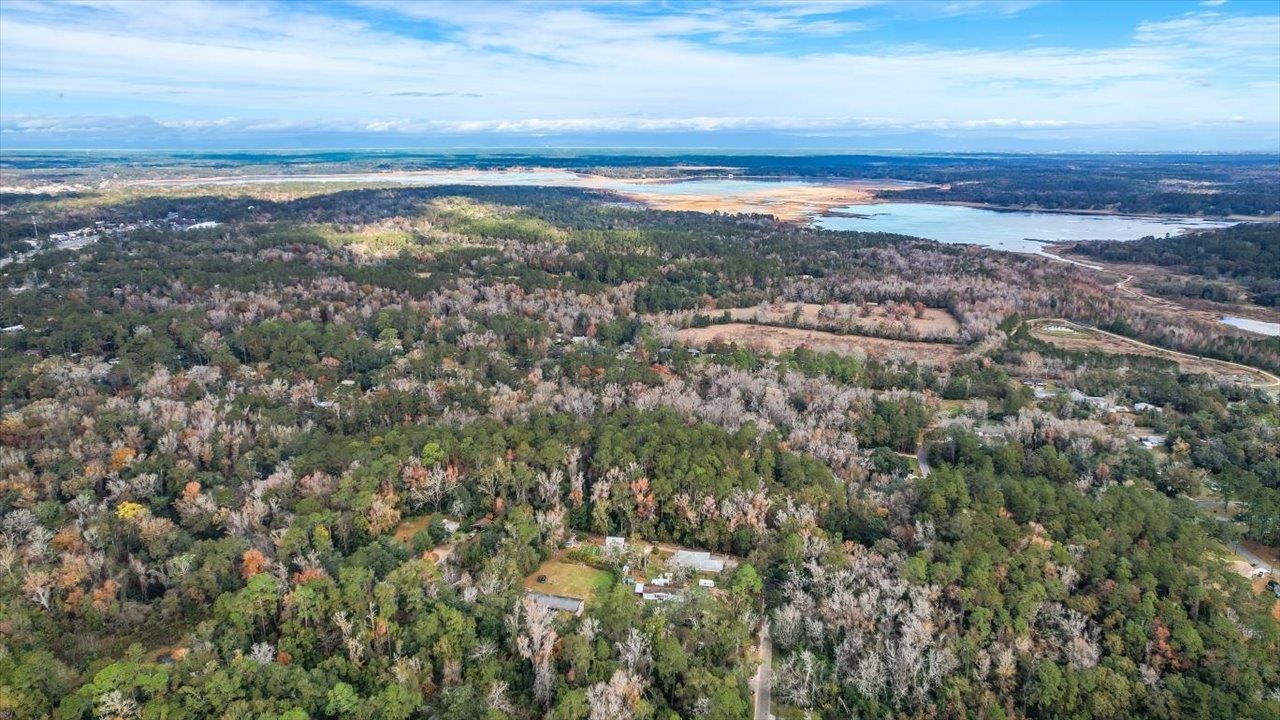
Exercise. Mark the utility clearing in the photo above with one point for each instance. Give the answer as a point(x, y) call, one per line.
point(1071, 336)
point(774, 340)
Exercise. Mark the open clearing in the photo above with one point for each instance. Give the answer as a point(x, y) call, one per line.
point(775, 340)
point(795, 200)
point(1259, 587)
point(411, 527)
point(854, 317)
point(1272, 557)
point(1071, 336)
point(789, 203)
point(570, 580)
point(1131, 278)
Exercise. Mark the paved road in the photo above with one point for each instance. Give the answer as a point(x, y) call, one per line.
point(922, 456)
point(764, 676)
point(1243, 552)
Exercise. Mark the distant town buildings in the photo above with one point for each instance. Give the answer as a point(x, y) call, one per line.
point(85, 236)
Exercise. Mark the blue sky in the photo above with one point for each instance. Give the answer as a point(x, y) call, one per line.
point(1016, 74)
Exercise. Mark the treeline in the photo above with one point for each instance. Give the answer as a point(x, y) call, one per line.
point(1248, 254)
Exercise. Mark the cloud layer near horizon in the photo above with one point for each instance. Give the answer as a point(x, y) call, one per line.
point(804, 69)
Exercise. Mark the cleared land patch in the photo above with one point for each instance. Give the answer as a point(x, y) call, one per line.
point(789, 203)
point(1070, 336)
point(566, 579)
point(775, 340)
point(406, 530)
point(877, 318)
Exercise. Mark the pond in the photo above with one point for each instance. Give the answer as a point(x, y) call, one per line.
point(1015, 231)
point(1257, 326)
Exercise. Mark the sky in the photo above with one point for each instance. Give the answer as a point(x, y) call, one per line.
point(1012, 75)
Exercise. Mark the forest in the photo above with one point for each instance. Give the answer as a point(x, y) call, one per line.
point(1248, 254)
point(312, 461)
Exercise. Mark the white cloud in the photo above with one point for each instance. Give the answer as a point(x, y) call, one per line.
point(516, 68)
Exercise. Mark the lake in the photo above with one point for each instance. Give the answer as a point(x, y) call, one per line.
point(1257, 326)
point(1015, 231)
point(795, 198)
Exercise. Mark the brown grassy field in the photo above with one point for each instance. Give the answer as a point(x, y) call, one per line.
point(933, 323)
point(779, 339)
point(407, 529)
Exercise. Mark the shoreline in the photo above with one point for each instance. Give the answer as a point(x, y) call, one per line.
point(1125, 276)
point(1087, 211)
point(823, 196)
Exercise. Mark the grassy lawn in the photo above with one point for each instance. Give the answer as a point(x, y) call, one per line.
point(407, 529)
point(569, 580)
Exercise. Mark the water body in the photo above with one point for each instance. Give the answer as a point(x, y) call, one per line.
point(1014, 231)
point(1257, 326)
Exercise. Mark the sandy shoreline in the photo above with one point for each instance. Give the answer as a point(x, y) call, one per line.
point(797, 204)
point(787, 199)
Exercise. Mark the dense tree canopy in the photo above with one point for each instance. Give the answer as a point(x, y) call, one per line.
point(232, 460)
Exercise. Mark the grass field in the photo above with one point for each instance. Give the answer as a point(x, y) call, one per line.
point(934, 323)
point(569, 580)
point(778, 339)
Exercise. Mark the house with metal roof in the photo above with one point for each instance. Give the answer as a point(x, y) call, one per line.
point(698, 561)
point(573, 606)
